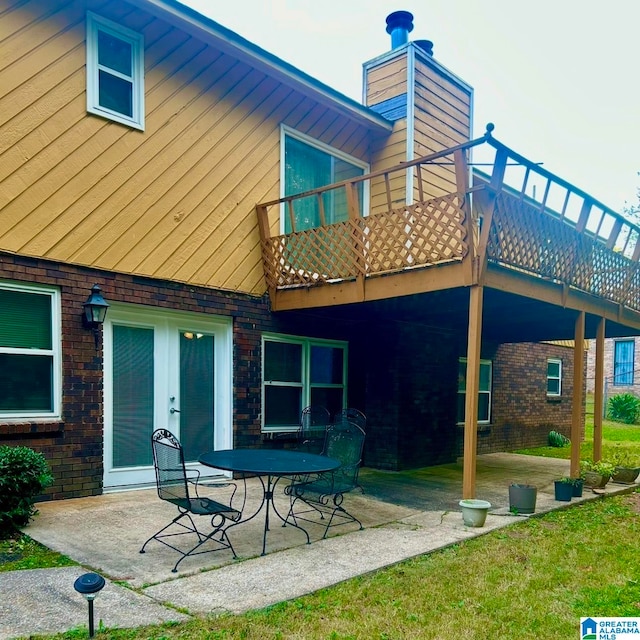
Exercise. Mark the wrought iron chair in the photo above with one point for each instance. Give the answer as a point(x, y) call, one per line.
point(173, 484)
point(314, 421)
point(353, 415)
point(324, 494)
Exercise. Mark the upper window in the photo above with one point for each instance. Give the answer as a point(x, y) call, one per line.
point(29, 352)
point(484, 390)
point(115, 72)
point(554, 377)
point(308, 164)
point(298, 372)
point(623, 362)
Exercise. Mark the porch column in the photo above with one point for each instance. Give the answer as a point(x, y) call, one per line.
point(471, 395)
point(598, 397)
point(578, 383)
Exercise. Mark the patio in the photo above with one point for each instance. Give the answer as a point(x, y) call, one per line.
point(405, 514)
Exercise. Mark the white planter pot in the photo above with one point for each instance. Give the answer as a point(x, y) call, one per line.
point(474, 512)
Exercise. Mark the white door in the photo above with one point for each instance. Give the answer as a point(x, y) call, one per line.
point(163, 370)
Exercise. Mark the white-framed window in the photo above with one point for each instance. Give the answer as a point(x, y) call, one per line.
point(484, 390)
point(115, 72)
point(298, 372)
point(309, 164)
point(554, 377)
point(623, 362)
point(30, 369)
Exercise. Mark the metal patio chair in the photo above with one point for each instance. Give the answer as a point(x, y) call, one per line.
point(174, 486)
point(314, 421)
point(353, 415)
point(324, 495)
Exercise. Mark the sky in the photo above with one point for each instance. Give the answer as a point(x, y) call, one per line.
point(558, 78)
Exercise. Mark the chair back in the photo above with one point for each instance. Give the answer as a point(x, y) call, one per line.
point(353, 415)
point(313, 424)
point(168, 460)
point(344, 441)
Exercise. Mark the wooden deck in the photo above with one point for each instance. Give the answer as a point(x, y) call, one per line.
point(563, 238)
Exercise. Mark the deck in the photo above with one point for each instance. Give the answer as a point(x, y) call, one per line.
point(492, 230)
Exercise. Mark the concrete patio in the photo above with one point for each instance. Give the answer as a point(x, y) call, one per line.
point(404, 514)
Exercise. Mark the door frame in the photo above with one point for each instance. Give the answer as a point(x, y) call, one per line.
point(166, 320)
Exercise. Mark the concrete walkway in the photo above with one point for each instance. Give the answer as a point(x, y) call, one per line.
point(404, 514)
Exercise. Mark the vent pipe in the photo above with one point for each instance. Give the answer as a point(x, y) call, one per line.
point(399, 25)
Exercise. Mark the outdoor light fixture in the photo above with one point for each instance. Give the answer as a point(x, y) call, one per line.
point(89, 585)
point(95, 311)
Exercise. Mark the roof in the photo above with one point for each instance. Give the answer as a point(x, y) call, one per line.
point(230, 42)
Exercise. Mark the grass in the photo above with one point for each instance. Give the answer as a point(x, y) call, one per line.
point(19, 551)
point(617, 439)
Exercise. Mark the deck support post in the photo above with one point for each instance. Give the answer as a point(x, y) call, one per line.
point(576, 402)
point(474, 339)
point(598, 394)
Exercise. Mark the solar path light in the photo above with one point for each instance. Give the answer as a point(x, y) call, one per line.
point(89, 585)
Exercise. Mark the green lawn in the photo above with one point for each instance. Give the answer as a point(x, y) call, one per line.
point(617, 439)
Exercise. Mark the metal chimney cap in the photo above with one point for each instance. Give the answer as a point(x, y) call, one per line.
point(400, 20)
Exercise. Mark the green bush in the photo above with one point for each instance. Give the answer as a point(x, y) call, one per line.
point(24, 474)
point(558, 440)
point(625, 407)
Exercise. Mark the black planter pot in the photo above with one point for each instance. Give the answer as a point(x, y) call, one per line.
point(577, 487)
point(522, 498)
point(563, 490)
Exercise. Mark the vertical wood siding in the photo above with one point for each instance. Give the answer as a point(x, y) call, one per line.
point(175, 201)
point(442, 120)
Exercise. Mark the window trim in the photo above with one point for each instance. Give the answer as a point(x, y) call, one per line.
point(615, 361)
point(305, 383)
point(489, 392)
point(558, 378)
point(54, 352)
point(97, 23)
point(326, 148)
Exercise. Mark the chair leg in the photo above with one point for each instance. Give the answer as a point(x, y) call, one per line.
point(217, 528)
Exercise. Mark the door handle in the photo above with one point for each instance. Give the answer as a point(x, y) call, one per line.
point(174, 410)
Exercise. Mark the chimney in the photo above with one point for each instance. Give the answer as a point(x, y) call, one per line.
point(399, 25)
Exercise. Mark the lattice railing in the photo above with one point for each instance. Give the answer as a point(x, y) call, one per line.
point(546, 246)
point(418, 235)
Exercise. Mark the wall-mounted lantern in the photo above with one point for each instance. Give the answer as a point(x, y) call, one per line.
point(95, 311)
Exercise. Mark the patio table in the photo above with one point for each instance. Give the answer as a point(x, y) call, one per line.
point(274, 464)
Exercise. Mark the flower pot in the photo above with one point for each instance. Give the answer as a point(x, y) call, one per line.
point(522, 498)
point(577, 487)
point(563, 490)
point(474, 512)
point(595, 480)
point(625, 475)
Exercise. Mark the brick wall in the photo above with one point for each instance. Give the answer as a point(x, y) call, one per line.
point(610, 388)
point(522, 413)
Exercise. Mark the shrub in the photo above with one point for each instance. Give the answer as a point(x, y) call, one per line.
point(558, 440)
point(24, 474)
point(624, 407)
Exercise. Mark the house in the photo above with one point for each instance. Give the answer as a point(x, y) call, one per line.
point(621, 366)
point(264, 243)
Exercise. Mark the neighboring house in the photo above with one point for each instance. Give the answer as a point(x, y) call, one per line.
point(151, 151)
point(621, 366)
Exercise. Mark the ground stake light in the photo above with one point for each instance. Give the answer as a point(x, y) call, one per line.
point(89, 585)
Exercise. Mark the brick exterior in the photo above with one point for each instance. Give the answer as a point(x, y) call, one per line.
point(522, 413)
point(403, 376)
point(610, 388)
